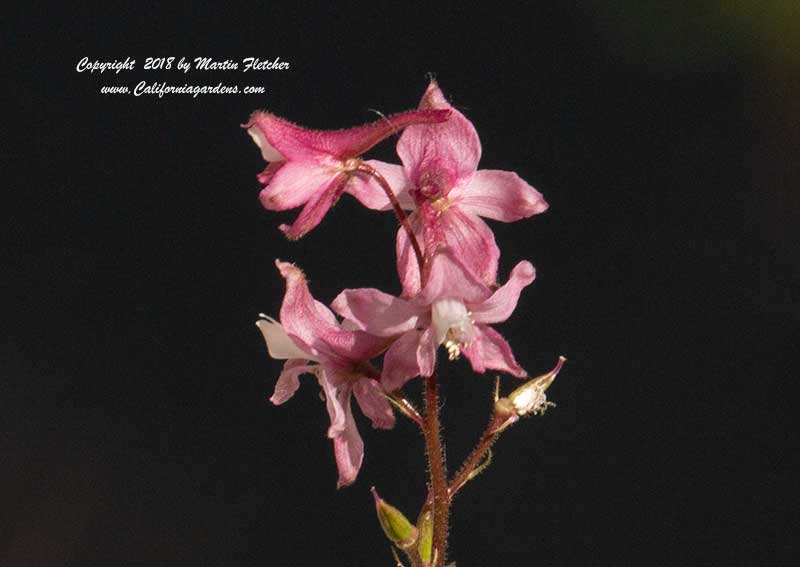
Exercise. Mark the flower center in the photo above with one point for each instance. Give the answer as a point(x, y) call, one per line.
point(350, 164)
point(453, 325)
point(433, 185)
point(441, 204)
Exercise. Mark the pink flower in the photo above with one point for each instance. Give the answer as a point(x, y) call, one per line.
point(440, 179)
point(311, 341)
point(454, 308)
point(314, 167)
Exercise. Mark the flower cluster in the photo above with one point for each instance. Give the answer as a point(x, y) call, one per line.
point(447, 260)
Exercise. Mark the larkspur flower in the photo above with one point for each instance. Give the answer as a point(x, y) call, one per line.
point(454, 309)
point(314, 167)
point(312, 341)
point(440, 181)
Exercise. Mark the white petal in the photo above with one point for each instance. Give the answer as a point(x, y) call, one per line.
point(268, 152)
point(450, 315)
point(279, 345)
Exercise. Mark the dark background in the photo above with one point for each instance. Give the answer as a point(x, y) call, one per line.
point(135, 423)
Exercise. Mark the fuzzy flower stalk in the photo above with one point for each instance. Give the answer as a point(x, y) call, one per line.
point(368, 345)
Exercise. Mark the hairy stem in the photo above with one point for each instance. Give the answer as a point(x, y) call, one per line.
point(398, 211)
point(476, 457)
point(438, 473)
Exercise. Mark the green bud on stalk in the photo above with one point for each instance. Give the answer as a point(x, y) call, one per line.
point(395, 525)
point(425, 527)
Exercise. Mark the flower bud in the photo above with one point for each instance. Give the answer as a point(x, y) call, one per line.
point(530, 398)
point(395, 525)
point(425, 527)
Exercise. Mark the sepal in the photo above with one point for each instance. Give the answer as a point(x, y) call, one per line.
point(425, 529)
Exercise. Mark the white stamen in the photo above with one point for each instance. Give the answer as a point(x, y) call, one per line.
point(453, 350)
point(531, 400)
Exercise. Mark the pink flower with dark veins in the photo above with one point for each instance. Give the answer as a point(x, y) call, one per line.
point(441, 182)
point(454, 309)
point(314, 167)
point(312, 341)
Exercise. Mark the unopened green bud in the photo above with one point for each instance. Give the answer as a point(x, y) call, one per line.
point(395, 525)
point(425, 527)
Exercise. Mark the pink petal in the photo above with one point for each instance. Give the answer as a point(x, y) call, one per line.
point(355, 141)
point(316, 208)
point(295, 184)
point(285, 138)
point(297, 143)
point(407, 266)
point(502, 303)
point(312, 324)
point(426, 353)
point(501, 195)
point(376, 312)
point(289, 380)
point(368, 191)
point(400, 362)
point(468, 237)
point(437, 157)
point(413, 354)
point(269, 172)
point(489, 350)
point(348, 448)
point(449, 278)
point(337, 389)
point(373, 403)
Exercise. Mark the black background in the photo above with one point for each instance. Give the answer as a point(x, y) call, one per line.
point(135, 423)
